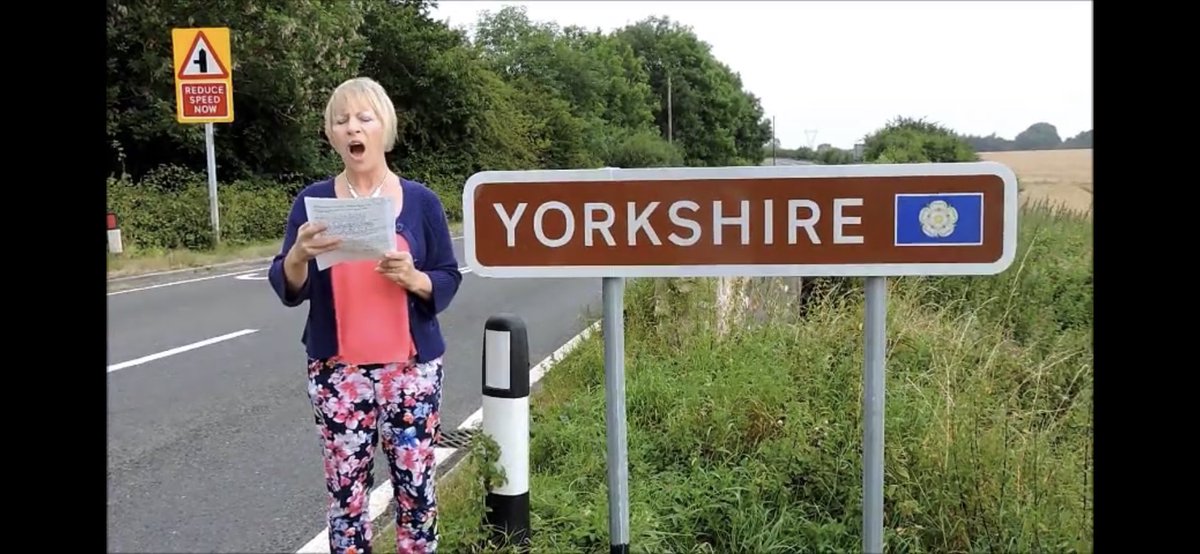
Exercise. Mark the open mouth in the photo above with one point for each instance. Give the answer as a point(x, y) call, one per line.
point(357, 148)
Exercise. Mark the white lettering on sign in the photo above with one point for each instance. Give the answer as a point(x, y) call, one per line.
point(840, 220)
point(202, 90)
point(794, 223)
point(641, 222)
point(742, 221)
point(204, 100)
point(682, 222)
point(600, 217)
point(591, 225)
point(768, 221)
point(541, 233)
point(510, 221)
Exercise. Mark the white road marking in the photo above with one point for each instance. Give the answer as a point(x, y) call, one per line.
point(254, 277)
point(179, 350)
point(382, 495)
point(184, 282)
point(236, 274)
point(251, 277)
point(187, 269)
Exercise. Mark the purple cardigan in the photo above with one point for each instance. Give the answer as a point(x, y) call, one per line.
point(422, 222)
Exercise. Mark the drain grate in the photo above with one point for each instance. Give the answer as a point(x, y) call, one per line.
point(458, 438)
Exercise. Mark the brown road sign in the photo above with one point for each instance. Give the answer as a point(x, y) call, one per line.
point(847, 220)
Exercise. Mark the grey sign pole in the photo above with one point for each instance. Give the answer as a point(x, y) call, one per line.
point(613, 328)
point(873, 392)
point(212, 183)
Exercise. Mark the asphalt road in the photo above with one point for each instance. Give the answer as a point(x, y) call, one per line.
point(211, 446)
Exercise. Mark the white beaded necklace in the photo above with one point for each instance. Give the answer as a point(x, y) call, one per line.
point(374, 193)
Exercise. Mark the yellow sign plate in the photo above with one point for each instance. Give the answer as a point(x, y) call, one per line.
point(203, 75)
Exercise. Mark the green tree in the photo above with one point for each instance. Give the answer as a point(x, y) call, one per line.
point(712, 119)
point(588, 91)
point(1039, 136)
point(520, 94)
point(907, 140)
point(455, 116)
point(286, 57)
point(1082, 140)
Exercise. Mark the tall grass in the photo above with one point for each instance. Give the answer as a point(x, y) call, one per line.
point(752, 442)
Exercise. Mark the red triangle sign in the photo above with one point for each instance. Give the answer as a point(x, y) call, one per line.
point(202, 61)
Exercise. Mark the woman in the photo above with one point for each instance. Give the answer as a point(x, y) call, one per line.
point(372, 336)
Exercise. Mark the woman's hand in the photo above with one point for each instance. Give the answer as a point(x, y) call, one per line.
point(398, 267)
point(308, 245)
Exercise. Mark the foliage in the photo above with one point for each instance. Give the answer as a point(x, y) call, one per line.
point(639, 149)
point(713, 120)
point(1039, 136)
point(520, 94)
point(169, 209)
point(286, 58)
point(907, 140)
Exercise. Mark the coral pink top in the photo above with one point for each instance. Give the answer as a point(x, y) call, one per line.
point(372, 313)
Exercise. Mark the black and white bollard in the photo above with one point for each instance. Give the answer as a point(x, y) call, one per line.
point(506, 420)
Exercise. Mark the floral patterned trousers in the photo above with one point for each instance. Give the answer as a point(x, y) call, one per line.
point(355, 407)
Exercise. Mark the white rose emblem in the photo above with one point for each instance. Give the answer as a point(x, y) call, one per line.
point(938, 219)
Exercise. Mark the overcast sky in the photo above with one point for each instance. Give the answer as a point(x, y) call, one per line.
point(845, 68)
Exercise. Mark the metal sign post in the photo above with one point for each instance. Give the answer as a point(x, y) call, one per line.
point(211, 155)
point(873, 220)
point(875, 344)
point(613, 329)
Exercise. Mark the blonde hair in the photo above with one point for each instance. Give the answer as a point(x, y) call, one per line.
point(371, 92)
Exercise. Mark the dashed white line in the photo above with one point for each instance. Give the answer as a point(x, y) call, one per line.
point(179, 350)
point(382, 495)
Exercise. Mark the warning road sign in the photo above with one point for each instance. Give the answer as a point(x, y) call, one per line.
point(859, 220)
point(203, 75)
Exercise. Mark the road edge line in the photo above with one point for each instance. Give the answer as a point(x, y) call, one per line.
point(183, 282)
point(380, 499)
point(198, 268)
point(123, 278)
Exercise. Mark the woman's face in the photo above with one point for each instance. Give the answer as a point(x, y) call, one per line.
point(358, 135)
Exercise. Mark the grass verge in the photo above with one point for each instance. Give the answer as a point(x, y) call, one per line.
point(136, 261)
point(752, 442)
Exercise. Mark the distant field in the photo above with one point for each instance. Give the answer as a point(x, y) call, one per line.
point(1062, 177)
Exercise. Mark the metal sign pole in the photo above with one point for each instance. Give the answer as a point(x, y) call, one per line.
point(212, 183)
point(614, 393)
point(873, 393)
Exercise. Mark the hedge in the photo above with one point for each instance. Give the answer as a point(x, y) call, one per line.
point(169, 210)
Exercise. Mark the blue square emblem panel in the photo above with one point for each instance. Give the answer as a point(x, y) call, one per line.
point(945, 219)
